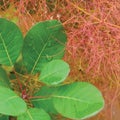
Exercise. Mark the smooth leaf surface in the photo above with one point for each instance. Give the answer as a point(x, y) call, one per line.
point(34, 114)
point(54, 72)
point(44, 42)
point(3, 117)
point(4, 80)
point(11, 41)
point(10, 103)
point(78, 100)
point(46, 102)
point(20, 67)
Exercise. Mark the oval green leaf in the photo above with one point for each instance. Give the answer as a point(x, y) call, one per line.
point(78, 100)
point(10, 103)
point(44, 42)
point(54, 72)
point(11, 41)
point(4, 80)
point(34, 114)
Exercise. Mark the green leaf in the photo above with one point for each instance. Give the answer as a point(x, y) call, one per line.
point(4, 117)
point(4, 80)
point(46, 102)
point(10, 103)
point(34, 114)
point(44, 42)
point(11, 41)
point(20, 67)
point(54, 72)
point(78, 100)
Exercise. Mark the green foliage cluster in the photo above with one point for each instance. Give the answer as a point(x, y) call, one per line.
point(41, 52)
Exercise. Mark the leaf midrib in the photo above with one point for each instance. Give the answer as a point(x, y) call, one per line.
point(63, 97)
point(10, 98)
point(5, 47)
point(71, 98)
point(36, 62)
point(30, 116)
